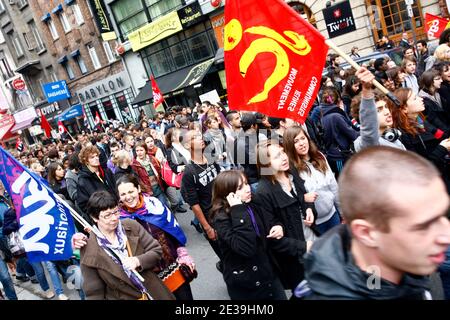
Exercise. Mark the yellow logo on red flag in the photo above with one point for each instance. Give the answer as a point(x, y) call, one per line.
point(273, 59)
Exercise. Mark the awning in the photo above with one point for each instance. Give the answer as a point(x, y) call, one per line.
point(73, 112)
point(75, 53)
point(57, 9)
point(46, 17)
point(175, 81)
point(6, 123)
point(22, 125)
point(69, 2)
point(63, 59)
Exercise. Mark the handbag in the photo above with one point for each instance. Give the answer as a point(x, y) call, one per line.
point(175, 275)
point(172, 179)
point(15, 244)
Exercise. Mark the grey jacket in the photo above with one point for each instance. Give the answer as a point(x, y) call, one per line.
point(369, 135)
point(72, 183)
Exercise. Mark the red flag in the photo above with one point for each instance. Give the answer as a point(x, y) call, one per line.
point(273, 59)
point(157, 96)
point(61, 127)
point(97, 119)
point(19, 145)
point(46, 126)
point(435, 25)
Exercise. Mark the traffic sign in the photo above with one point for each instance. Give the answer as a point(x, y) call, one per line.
point(18, 84)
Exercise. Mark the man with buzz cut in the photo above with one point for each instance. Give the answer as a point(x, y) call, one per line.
point(394, 204)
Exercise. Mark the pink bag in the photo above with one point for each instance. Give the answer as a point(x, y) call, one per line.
point(172, 179)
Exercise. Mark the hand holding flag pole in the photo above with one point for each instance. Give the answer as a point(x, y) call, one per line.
point(347, 58)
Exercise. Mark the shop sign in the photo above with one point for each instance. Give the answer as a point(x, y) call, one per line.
point(155, 31)
point(218, 24)
point(49, 110)
point(104, 88)
point(25, 115)
point(339, 19)
point(102, 20)
point(190, 15)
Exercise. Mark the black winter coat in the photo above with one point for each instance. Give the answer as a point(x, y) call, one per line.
point(247, 270)
point(436, 115)
point(428, 147)
point(89, 182)
point(278, 208)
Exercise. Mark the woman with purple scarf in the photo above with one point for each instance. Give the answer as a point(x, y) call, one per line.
point(176, 268)
point(116, 254)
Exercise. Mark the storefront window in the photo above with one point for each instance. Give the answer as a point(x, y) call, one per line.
point(109, 109)
point(182, 50)
point(93, 107)
point(129, 15)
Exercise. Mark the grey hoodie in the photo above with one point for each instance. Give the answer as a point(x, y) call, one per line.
point(369, 135)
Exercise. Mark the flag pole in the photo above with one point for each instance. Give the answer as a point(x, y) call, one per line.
point(94, 229)
point(347, 58)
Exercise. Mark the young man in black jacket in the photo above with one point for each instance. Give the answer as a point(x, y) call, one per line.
point(197, 183)
point(396, 231)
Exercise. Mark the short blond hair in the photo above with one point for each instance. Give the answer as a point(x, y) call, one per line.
point(120, 156)
point(440, 51)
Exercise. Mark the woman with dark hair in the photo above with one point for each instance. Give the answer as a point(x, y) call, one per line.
point(92, 178)
point(157, 219)
point(430, 83)
point(281, 199)
point(247, 268)
point(316, 173)
point(351, 89)
point(56, 179)
point(109, 256)
point(444, 91)
point(418, 135)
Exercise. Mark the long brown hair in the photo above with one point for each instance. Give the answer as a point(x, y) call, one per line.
point(316, 158)
point(263, 159)
point(225, 183)
point(400, 114)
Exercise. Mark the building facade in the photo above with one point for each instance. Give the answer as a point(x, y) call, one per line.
point(94, 74)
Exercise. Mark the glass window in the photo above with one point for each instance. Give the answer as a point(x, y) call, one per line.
point(132, 24)
point(77, 13)
point(27, 41)
point(6, 69)
point(109, 53)
point(2, 6)
point(22, 3)
point(200, 47)
point(80, 61)
point(124, 9)
point(65, 22)
point(161, 63)
point(17, 46)
point(158, 8)
point(37, 37)
point(179, 57)
point(89, 7)
point(51, 74)
point(94, 57)
point(52, 27)
point(69, 70)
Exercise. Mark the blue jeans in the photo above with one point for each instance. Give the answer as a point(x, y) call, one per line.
point(444, 271)
point(327, 225)
point(54, 276)
point(5, 279)
point(40, 275)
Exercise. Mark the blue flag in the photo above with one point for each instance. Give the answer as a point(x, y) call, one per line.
point(46, 225)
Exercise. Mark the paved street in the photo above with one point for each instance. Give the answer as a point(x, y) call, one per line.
point(208, 286)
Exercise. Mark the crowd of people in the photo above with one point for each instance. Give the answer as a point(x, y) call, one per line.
point(264, 192)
